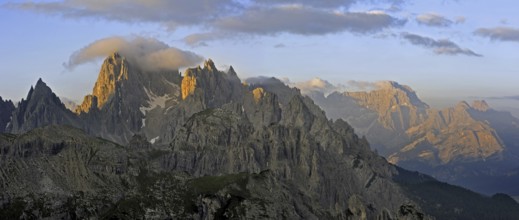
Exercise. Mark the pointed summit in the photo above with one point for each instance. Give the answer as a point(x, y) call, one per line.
point(113, 71)
point(40, 82)
point(209, 65)
point(231, 71)
point(41, 108)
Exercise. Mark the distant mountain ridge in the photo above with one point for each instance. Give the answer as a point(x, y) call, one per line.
point(410, 133)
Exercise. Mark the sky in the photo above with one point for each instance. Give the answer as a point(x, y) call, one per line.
point(446, 50)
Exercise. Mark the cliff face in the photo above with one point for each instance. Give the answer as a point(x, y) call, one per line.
point(6, 110)
point(113, 71)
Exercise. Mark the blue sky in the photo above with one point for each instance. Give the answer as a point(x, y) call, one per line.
point(445, 50)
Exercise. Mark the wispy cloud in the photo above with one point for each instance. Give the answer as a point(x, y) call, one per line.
point(305, 21)
point(326, 87)
point(442, 46)
point(228, 18)
point(434, 20)
point(171, 13)
point(499, 33)
point(148, 53)
point(312, 3)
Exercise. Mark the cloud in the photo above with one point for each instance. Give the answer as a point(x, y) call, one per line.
point(295, 19)
point(499, 33)
point(325, 87)
point(280, 45)
point(329, 4)
point(223, 19)
point(434, 20)
point(316, 85)
point(305, 21)
point(460, 20)
point(171, 13)
point(442, 46)
point(148, 53)
point(356, 85)
point(311, 3)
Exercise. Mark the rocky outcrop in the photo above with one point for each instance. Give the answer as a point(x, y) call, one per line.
point(6, 110)
point(41, 108)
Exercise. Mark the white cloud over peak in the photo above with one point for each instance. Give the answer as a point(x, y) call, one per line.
point(148, 53)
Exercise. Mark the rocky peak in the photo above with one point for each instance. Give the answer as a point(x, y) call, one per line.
point(114, 69)
point(480, 105)
point(212, 86)
point(209, 65)
point(231, 71)
point(42, 107)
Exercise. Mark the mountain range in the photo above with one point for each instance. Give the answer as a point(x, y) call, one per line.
point(205, 145)
point(471, 145)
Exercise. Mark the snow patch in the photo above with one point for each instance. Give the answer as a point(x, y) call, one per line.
point(152, 141)
point(143, 122)
point(154, 101)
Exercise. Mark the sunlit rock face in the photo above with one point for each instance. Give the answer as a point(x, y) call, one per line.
point(113, 71)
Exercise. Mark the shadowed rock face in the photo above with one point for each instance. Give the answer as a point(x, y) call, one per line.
point(6, 110)
point(41, 108)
